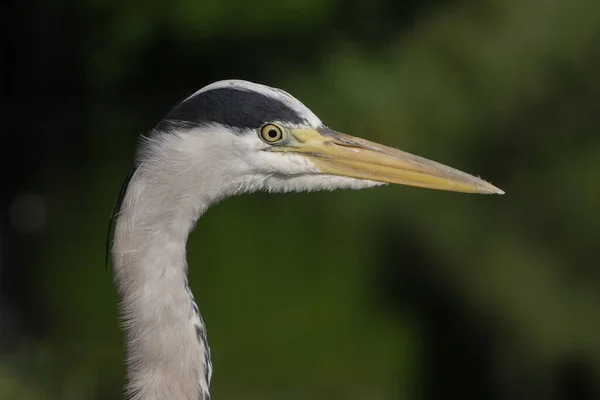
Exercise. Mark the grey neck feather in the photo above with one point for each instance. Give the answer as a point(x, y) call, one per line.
point(167, 351)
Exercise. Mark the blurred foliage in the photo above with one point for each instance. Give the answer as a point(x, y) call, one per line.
point(505, 89)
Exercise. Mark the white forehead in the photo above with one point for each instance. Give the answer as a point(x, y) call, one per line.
point(265, 90)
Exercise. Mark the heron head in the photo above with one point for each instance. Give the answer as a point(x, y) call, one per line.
point(246, 137)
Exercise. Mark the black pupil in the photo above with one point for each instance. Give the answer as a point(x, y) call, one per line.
point(272, 133)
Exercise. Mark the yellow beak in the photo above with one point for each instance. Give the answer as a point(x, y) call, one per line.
point(335, 153)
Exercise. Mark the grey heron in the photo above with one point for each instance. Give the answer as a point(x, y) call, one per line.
point(228, 138)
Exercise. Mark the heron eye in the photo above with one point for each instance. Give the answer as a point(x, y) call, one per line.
point(271, 133)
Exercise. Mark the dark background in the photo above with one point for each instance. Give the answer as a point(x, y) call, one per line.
point(387, 293)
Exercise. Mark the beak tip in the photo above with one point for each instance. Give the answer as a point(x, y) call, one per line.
point(491, 189)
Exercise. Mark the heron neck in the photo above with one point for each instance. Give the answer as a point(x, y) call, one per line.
point(167, 353)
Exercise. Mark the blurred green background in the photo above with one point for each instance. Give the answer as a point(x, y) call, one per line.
point(407, 293)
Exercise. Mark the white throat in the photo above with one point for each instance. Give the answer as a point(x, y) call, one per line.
point(167, 352)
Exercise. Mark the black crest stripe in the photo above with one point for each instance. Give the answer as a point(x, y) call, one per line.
point(232, 107)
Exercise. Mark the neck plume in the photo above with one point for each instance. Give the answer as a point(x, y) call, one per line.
point(167, 351)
